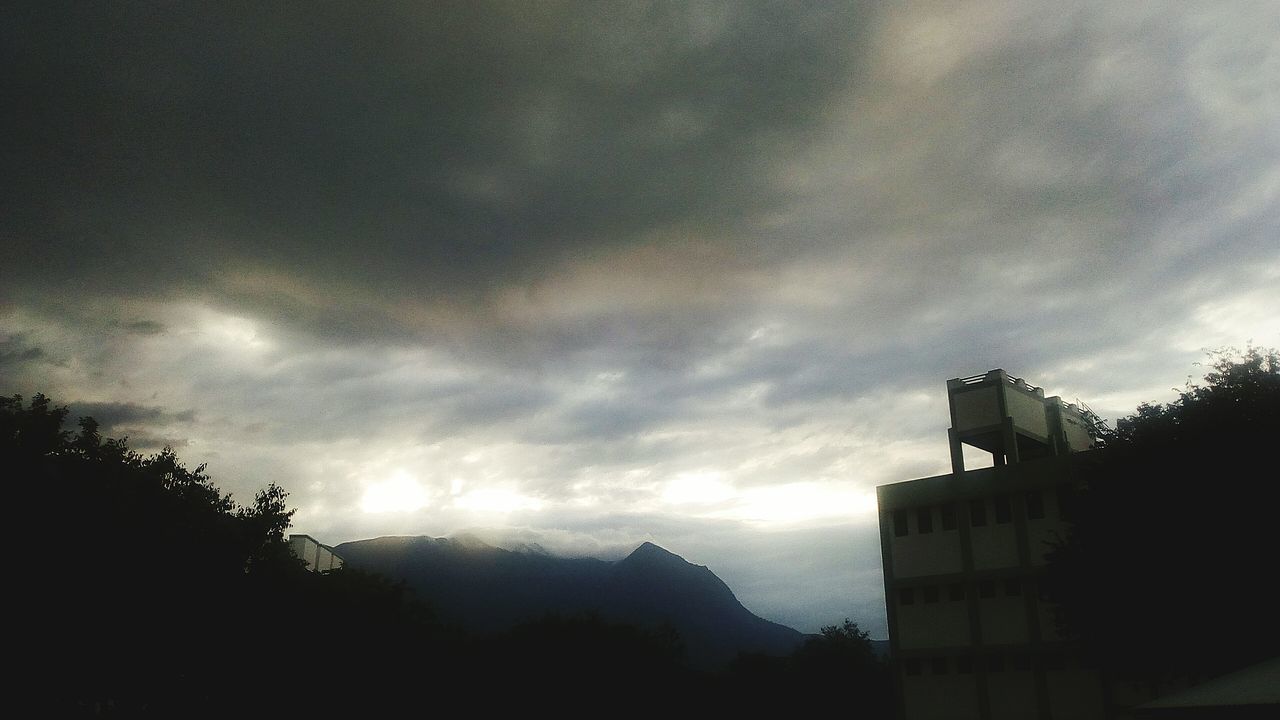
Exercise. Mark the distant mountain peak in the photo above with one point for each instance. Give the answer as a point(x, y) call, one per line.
point(651, 553)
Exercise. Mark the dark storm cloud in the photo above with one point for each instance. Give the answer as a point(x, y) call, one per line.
point(424, 149)
point(355, 394)
point(145, 327)
point(152, 443)
point(114, 415)
point(15, 352)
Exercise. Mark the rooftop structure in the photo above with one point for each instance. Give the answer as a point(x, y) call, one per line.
point(317, 557)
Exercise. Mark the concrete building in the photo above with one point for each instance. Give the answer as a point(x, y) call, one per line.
point(963, 553)
point(318, 558)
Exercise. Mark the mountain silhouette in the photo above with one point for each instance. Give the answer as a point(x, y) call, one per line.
point(488, 589)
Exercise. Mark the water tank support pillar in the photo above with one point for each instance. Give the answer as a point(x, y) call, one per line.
point(957, 452)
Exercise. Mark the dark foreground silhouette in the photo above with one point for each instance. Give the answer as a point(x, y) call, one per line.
point(1166, 575)
point(143, 591)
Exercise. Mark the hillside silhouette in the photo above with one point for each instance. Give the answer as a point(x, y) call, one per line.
point(489, 589)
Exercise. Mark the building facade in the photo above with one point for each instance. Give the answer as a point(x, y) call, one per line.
point(317, 557)
point(963, 553)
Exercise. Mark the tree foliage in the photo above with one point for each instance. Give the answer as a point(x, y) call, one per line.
point(838, 657)
point(1165, 571)
point(148, 591)
point(839, 649)
point(1239, 392)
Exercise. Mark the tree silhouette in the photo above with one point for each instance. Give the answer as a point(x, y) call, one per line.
point(1164, 572)
point(842, 656)
point(148, 591)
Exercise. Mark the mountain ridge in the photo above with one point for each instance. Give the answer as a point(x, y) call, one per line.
point(486, 589)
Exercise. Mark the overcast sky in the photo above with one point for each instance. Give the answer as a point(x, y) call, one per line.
point(592, 274)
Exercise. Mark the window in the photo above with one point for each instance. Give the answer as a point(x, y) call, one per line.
point(986, 588)
point(1035, 505)
point(964, 665)
point(1020, 661)
point(1004, 512)
point(912, 667)
point(1012, 586)
point(907, 596)
point(899, 523)
point(948, 512)
point(931, 594)
point(995, 663)
point(978, 513)
point(955, 592)
point(938, 666)
point(924, 519)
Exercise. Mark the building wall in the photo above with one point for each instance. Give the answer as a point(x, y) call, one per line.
point(949, 696)
point(994, 545)
point(936, 551)
point(976, 408)
point(931, 623)
point(1027, 412)
point(968, 630)
point(1012, 694)
point(1078, 436)
point(317, 557)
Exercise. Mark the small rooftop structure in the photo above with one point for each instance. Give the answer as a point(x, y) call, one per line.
point(317, 557)
point(1012, 419)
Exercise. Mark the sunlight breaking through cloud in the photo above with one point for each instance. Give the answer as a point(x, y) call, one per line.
point(400, 493)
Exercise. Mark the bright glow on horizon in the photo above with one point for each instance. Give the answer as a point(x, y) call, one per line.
point(698, 488)
point(400, 493)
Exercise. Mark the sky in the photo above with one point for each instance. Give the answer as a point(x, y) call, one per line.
point(583, 275)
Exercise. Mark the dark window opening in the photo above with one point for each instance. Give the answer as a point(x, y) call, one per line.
point(1035, 505)
point(900, 523)
point(978, 513)
point(938, 666)
point(948, 516)
point(955, 592)
point(912, 667)
point(1004, 511)
point(931, 594)
point(1012, 587)
point(995, 663)
point(1054, 661)
point(986, 588)
point(924, 519)
point(1021, 661)
point(907, 596)
point(964, 665)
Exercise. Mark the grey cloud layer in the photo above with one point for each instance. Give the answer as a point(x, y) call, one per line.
point(425, 150)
